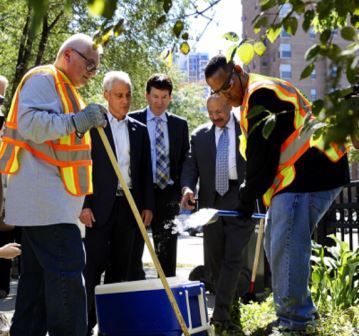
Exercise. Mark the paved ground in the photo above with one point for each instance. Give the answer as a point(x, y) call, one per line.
point(190, 254)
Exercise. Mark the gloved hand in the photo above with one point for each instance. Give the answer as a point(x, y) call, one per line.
point(245, 209)
point(93, 115)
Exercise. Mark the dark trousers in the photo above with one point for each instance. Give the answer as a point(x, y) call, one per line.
point(224, 243)
point(110, 247)
point(51, 294)
point(5, 264)
point(165, 242)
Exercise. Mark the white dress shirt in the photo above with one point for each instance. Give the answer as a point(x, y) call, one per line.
point(122, 144)
point(232, 161)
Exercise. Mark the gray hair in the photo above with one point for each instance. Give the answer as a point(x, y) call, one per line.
point(116, 76)
point(75, 41)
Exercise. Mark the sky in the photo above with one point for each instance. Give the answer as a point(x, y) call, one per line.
point(227, 17)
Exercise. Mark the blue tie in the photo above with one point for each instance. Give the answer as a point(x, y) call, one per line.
point(222, 163)
point(162, 160)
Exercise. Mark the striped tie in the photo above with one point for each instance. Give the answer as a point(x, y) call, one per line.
point(162, 159)
point(222, 183)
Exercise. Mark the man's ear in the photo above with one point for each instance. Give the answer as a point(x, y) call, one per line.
point(238, 69)
point(106, 94)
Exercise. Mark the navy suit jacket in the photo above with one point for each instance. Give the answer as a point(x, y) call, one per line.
point(104, 177)
point(201, 163)
point(178, 142)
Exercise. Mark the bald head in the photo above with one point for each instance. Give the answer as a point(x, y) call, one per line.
point(78, 59)
point(219, 111)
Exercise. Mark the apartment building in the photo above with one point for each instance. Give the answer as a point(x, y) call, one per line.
point(285, 57)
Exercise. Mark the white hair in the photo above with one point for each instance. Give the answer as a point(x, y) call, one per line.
point(116, 76)
point(4, 81)
point(75, 41)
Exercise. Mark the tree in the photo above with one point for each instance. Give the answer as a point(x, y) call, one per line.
point(134, 47)
point(339, 116)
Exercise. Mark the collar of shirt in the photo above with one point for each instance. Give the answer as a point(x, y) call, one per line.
point(115, 122)
point(152, 117)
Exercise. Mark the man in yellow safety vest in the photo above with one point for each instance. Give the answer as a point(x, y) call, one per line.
point(297, 175)
point(46, 152)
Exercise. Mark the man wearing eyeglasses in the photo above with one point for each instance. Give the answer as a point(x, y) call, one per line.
point(297, 175)
point(46, 152)
point(226, 239)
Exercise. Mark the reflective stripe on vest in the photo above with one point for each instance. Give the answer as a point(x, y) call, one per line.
point(71, 154)
point(298, 142)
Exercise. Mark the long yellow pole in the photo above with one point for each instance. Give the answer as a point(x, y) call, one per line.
point(143, 230)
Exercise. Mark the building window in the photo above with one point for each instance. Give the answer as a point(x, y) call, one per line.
point(311, 33)
point(285, 50)
point(284, 10)
point(285, 71)
point(313, 75)
point(313, 94)
point(284, 34)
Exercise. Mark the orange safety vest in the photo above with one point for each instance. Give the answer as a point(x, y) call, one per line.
point(70, 153)
point(297, 143)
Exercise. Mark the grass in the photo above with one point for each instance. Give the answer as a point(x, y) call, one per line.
point(256, 316)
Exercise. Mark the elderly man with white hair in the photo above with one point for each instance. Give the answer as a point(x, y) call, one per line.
point(113, 238)
point(46, 152)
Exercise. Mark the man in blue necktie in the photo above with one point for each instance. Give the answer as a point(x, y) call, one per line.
point(169, 145)
point(215, 161)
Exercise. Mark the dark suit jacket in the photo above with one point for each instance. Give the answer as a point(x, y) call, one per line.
point(178, 142)
point(104, 177)
point(201, 163)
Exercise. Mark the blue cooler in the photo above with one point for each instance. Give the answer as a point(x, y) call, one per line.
point(142, 308)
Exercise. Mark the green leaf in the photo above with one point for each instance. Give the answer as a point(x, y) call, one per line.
point(291, 25)
point(118, 29)
point(185, 36)
point(325, 35)
point(317, 106)
point(261, 22)
point(105, 8)
point(231, 36)
point(307, 71)
point(312, 52)
point(177, 28)
point(161, 20)
point(269, 126)
point(259, 48)
point(255, 110)
point(273, 33)
point(245, 52)
point(308, 18)
point(185, 48)
point(167, 5)
point(348, 33)
point(267, 4)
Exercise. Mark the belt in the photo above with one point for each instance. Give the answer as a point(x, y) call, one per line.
point(233, 182)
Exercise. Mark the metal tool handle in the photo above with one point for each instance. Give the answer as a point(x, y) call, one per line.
point(234, 213)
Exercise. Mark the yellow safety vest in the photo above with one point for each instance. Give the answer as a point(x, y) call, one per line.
point(297, 143)
point(71, 154)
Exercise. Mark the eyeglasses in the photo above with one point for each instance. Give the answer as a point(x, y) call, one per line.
point(90, 64)
point(227, 85)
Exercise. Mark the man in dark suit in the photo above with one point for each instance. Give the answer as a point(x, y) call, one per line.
point(169, 145)
point(111, 229)
point(214, 159)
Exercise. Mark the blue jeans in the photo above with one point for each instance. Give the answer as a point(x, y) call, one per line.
point(292, 218)
point(51, 294)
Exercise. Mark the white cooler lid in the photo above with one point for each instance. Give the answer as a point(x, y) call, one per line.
point(140, 285)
